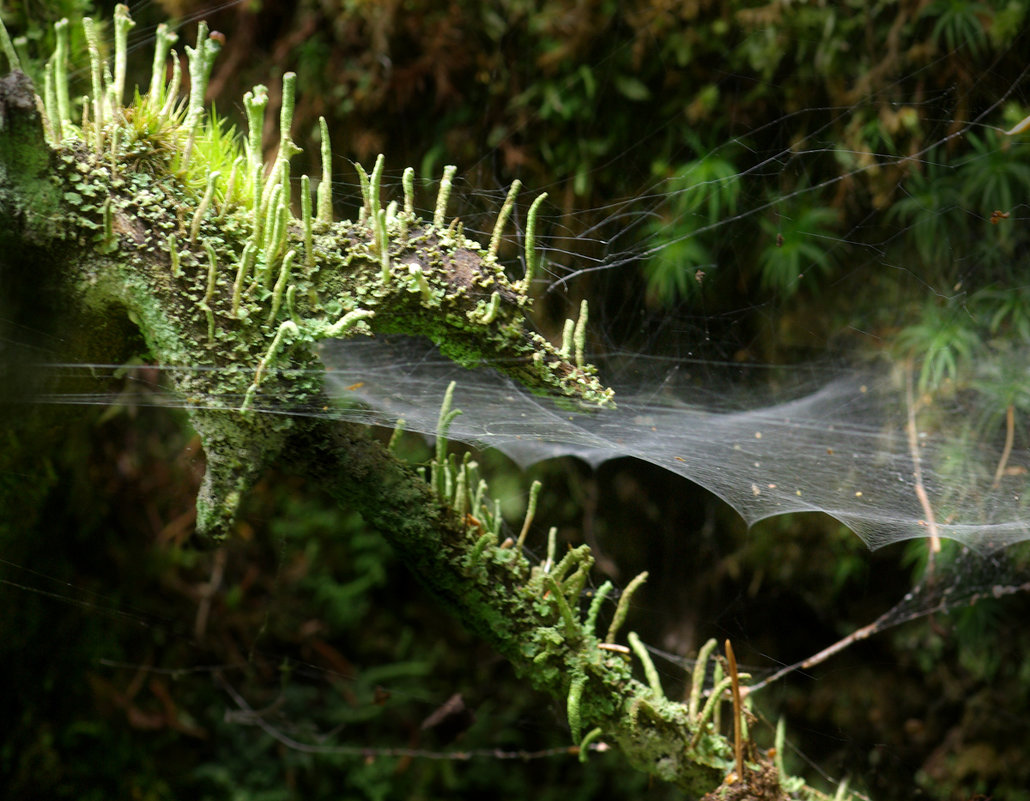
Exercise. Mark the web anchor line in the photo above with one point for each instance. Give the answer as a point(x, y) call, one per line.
point(248, 716)
point(856, 636)
point(906, 610)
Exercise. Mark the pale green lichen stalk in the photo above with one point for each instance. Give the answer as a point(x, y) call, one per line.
point(122, 25)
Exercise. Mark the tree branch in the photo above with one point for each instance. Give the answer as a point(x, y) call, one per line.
point(230, 292)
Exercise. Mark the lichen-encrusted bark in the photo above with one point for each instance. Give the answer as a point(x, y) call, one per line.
point(495, 592)
point(230, 294)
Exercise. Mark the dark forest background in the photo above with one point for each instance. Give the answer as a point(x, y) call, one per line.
point(798, 173)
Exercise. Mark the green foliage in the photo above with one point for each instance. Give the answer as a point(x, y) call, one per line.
point(798, 248)
point(1007, 23)
point(959, 24)
point(343, 601)
point(680, 269)
point(992, 175)
point(704, 193)
point(216, 147)
point(930, 211)
point(942, 344)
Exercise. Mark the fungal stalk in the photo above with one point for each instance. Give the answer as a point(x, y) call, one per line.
point(531, 256)
point(572, 708)
point(493, 306)
point(123, 23)
point(653, 681)
point(8, 48)
point(382, 245)
point(374, 186)
point(580, 336)
point(95, 68)
point(568, 331)
point(205, 303)
point(60, 61)
point(443, 195)
point(325, 186)
point(408, 182)
point(202, 207)
point(287, 147)
point(306, 222)
point(164, 39)
point(51, 124)
point(287, 330)
point(534, 493)
point(280, 285)
point(595, 606)
point(254, 103)
point(172, 97)
point(622, 609)
point(502, 217)
point(348, 321)
point(201, 60)
point(173, 255)
point(698, 677)
point(245, 266)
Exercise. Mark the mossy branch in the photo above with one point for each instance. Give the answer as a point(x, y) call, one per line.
point(120, 226)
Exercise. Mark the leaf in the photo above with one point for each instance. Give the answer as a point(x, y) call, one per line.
point(631, 88)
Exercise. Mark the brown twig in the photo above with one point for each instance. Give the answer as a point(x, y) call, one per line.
point(248, 716)
point(1010, 435)
point(738, 746)
point(917, 469)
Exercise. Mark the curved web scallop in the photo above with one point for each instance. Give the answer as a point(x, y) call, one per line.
point(840, 444)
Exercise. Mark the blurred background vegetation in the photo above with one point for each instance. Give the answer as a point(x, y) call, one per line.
point(733, 180)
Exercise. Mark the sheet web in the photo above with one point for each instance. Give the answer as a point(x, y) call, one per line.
point(849, 443)
point(843, 447)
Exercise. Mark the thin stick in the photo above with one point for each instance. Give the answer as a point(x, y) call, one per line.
point(885, 621)
point(248, 716)
point(1010, 434)
point(917, 469)
point(856, 636)
point(738, 747)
